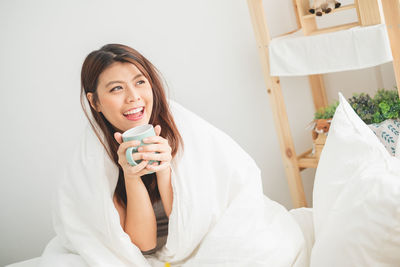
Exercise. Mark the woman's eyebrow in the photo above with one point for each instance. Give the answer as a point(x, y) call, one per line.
point(109, 83)
point(134, 78)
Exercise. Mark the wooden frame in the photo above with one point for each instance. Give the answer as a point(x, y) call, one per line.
point(367, 13)
point(294, 163)
point(391, 10)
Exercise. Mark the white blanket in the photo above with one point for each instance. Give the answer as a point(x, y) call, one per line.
point(220, 216)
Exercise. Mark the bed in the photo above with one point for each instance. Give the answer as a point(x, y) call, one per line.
point(355, 220)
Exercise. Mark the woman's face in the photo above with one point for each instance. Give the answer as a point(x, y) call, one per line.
point(125, 96)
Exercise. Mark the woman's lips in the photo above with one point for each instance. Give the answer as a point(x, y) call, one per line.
point(136, 116)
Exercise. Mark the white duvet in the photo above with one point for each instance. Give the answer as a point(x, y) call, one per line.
point(220, 216)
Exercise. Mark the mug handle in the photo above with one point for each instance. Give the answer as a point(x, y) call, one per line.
point(129, 156)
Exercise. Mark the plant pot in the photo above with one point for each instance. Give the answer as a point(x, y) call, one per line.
point(318, 144)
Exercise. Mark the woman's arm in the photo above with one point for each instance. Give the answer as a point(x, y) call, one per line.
point(163, 171)
point(165, 188)
point(140, 220)
point(121, 211)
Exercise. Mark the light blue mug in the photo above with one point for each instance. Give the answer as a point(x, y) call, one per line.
point(137, 133)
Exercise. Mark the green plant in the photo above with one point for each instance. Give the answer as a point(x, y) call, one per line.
point(327, 112)
point(389, 105)
point(384, 105)
point(364, 106)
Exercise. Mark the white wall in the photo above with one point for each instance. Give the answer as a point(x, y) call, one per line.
point(206, 51)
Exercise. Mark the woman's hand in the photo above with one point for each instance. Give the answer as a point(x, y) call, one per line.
point(129, 170)
point(161, 146)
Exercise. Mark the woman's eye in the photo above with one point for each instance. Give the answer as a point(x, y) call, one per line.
point(140, 82)
point(115, 88)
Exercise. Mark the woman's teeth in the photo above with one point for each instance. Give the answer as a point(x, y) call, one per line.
point(133, 111)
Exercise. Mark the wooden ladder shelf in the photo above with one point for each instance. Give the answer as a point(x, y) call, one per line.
point(368, 14)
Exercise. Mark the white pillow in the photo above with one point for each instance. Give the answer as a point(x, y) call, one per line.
point(356, 197)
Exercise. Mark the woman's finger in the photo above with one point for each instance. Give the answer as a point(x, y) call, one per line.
point(145, 170)
point(158, 168)
point(122, 152)
point(141, 165)
point(157, 130)
point(118, 137)
point(155, 140)
point(124, 146)
point(135, 170)
point(138, 156)
point(162, 148)
point(157, 156)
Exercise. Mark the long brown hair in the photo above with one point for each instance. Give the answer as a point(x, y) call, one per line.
point(95, 63)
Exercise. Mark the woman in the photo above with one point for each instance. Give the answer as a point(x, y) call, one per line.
point(124, 91)
point(220, 216)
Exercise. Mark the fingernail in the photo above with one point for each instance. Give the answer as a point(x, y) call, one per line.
point(145, 140)
point(140, 148)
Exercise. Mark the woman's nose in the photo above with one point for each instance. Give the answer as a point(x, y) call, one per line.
point(132, 95)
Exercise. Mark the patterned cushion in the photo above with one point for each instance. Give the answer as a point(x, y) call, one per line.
point(388, 133)
point(398, 148)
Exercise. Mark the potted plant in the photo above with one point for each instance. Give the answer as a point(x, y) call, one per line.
point(384, 107)
point(382, 115)
point(320, 127)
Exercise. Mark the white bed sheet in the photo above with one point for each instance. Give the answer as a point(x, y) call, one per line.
point(303, 216)
point(28, 263)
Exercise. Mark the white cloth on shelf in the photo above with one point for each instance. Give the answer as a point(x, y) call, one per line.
point(350, 49)
point(220, 216)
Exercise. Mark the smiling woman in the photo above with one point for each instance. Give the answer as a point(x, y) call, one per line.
point(125, 91)
point(201, 206)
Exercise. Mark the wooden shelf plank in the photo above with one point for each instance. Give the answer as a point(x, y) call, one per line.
point(303, 155)
point(306, 163)
point(336, 28)
point(342, 8)
point(288, 33)
point(307, 160)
